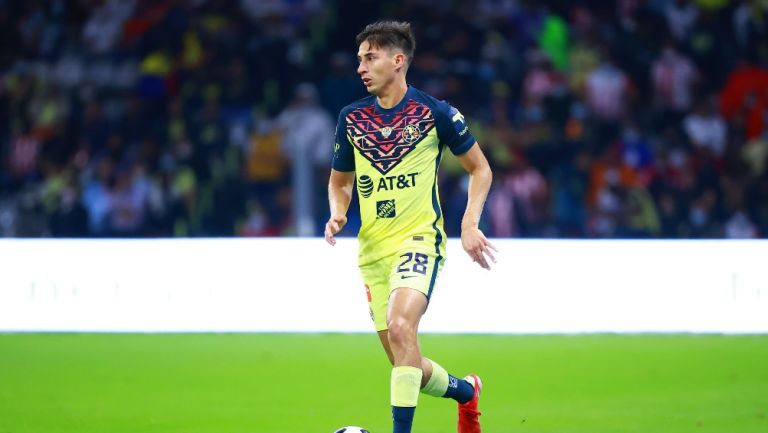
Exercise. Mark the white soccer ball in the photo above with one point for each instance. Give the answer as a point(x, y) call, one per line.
point(351, 429)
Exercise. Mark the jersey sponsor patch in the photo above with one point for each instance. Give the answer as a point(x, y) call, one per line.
point(458, 121)
point(365, 185)
point(401, 181)
point(385, 209)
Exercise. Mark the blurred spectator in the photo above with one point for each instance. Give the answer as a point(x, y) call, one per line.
point(755, 155)
point(97, 197)
point(542, 79)
point(681, 16)
point(23, 157)
point(611, 177)
point(640, 219)
point(674, 77)
point(702, 215)
point(757, 204)
point(745, 97)
point(553, 39)
point(584, 58)
point(739, 226)
point(29, 220)
point(129, 203)
point(257, 222)
point(105, 25)
point(519, 203)
point(750, 26)
point(306, 127)
point(637, 153)
point(70, 219)
point(570, 183)
point(266, 168)
point(308, 134)
point(708, 46)
point(670, 216)
point(705, 129)
point(608, 91)
point(341, 86)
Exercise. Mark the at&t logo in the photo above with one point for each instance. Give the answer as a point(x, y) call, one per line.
point(365, 185)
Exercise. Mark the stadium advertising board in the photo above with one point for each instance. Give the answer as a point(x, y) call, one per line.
point(304, 285)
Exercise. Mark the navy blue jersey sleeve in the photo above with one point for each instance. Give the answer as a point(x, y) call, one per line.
point(453, 130)
point(343, 153)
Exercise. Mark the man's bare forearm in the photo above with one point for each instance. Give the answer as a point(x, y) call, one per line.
point(339, 193)
point(479, 185)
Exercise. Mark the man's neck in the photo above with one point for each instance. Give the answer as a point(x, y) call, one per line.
point(393, 95)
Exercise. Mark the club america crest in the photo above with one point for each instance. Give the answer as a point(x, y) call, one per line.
point(411, 133)
point(386, 131)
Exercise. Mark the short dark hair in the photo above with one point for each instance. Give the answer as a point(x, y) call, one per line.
point(389, 34)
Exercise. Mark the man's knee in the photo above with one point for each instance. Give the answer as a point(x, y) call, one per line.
point(401, 332)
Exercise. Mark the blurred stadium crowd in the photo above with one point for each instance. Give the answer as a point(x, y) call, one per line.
point(604, 119)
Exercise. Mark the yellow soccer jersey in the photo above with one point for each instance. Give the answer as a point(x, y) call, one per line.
point(395, 154)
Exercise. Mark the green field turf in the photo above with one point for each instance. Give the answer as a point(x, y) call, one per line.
point(294, 383)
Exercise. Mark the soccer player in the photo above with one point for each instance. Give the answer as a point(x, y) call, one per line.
point(392, 141)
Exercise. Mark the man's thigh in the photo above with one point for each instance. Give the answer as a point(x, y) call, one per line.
point(411, 268)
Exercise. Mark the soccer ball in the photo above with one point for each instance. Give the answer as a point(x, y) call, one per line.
point(351, 429)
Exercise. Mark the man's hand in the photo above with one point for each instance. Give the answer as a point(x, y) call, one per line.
point(334, 225)
point(477, 246)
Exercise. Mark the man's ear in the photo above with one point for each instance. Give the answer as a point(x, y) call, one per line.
point(400, 60)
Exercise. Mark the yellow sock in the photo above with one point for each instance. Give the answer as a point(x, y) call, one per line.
point(437, 384)
point(405, 384)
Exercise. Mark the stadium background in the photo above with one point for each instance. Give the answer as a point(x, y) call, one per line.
point(602, 119)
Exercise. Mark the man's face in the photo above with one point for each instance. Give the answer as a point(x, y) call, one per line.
point(378, 67)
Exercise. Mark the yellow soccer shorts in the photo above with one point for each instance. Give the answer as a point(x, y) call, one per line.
point(413, 268)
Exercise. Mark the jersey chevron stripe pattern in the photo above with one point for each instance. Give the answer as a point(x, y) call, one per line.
point(372, 133)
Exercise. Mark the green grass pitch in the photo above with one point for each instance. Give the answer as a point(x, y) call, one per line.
point(314, 383)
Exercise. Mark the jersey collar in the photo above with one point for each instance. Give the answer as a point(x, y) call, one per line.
point(397, 106)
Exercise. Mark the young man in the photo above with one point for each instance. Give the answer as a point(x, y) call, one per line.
point(393, 142)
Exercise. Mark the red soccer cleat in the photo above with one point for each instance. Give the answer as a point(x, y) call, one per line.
point(469, 421)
